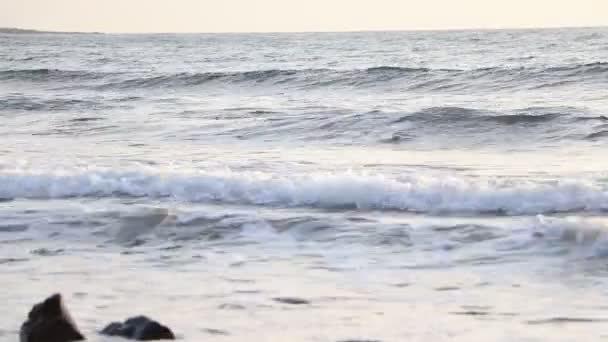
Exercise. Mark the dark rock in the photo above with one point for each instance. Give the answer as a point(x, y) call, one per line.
point(291, 300)
point(471, 313)
point(11, 260)
point(447, 288)
point(47, 252)
point(139, 328)
point(49, 321)
point(216, 332)
point(229, 306)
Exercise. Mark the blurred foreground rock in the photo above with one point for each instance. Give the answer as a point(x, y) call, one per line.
point(139, 328)
point(49, 321)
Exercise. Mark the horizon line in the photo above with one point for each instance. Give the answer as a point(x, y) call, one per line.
point(506, 28)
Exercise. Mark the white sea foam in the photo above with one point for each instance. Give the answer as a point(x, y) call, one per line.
point(419, 193)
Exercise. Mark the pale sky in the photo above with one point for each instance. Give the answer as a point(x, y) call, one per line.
point(296, 15)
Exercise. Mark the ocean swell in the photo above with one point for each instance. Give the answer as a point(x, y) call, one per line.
point(412, 78)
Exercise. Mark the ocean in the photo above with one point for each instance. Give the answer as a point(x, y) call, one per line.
point(405, 186)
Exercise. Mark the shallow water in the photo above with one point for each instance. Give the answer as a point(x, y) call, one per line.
point(405, 186)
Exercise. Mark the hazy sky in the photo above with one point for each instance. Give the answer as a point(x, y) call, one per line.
point(296, 15)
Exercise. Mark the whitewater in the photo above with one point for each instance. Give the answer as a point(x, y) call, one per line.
point(403, 186)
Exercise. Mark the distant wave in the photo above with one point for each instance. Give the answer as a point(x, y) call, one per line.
point(597, 135)
point(401, 70)
point(193, 79)
point(458, 114)
point(18, 102)
point(25, 103)
point(592, 118)
point(418, 193)
point(48, 75)
point(580, 69)
point(408, 78)
point(469, 125)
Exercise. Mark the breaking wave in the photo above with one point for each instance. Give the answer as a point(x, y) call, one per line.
point(346, 190)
